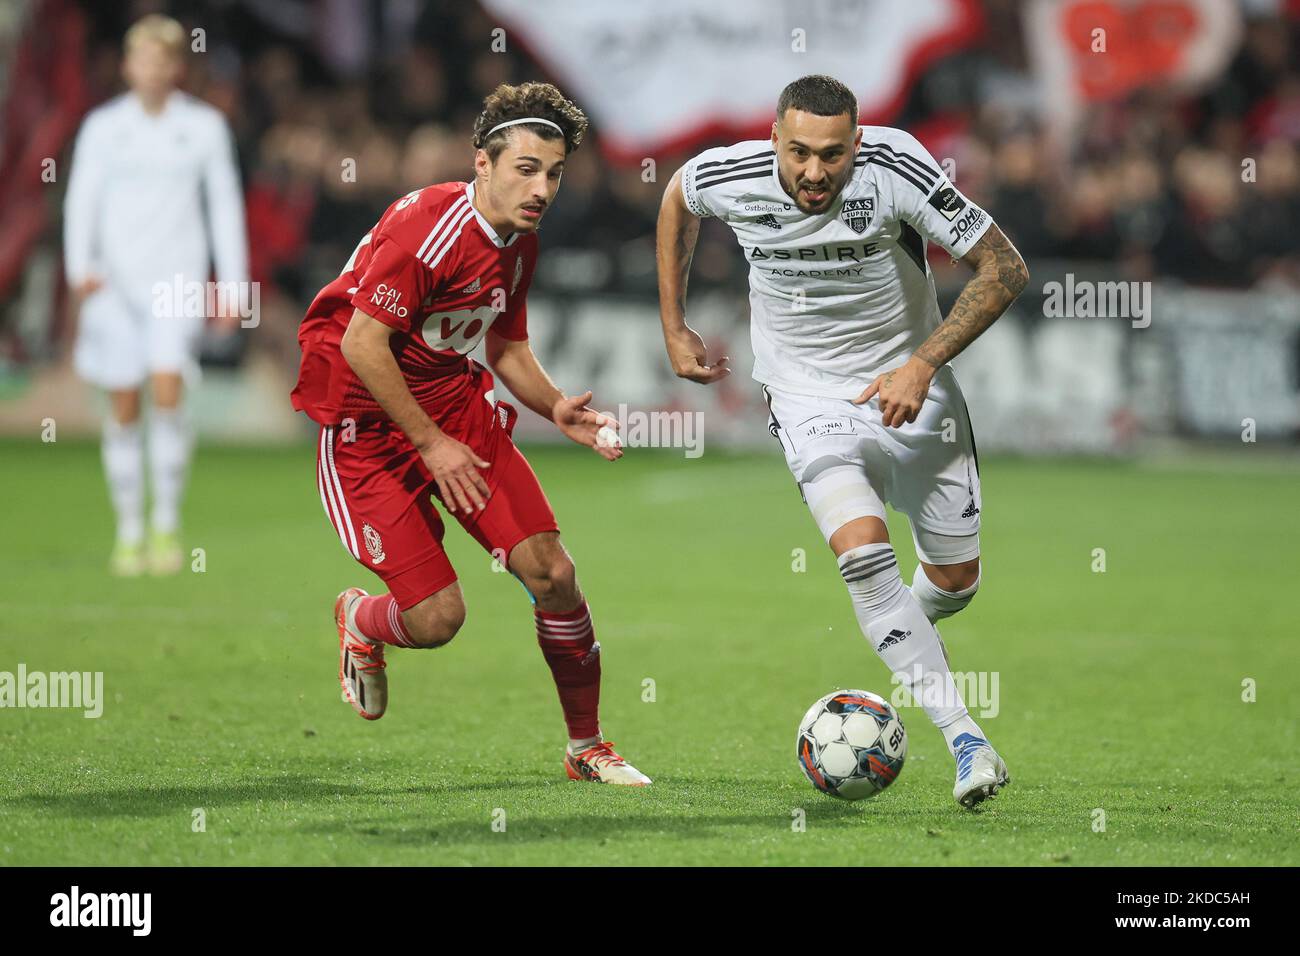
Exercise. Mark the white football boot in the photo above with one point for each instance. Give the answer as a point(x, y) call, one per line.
point(600, 764)
point(361, 660)
point(980, 771)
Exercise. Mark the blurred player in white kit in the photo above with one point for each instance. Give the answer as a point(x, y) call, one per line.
point(153, 200)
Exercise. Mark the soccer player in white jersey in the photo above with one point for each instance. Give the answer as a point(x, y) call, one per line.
point(152, 200)
point(852, 355)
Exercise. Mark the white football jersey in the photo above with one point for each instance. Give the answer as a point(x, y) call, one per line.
point(839, 297)
point(151, 197)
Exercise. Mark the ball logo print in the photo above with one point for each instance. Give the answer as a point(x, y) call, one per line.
point(851, 744)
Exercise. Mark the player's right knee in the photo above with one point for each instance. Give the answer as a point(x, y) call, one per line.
point(435, 625)
point(124, 406)
point(846, 508)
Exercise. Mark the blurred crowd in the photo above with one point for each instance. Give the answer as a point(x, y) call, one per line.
point(338, 108)
point(1204, 189)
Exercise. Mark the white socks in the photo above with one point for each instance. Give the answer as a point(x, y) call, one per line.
point(897, 627)
point(578, 746)
point(169, 459)
point(123, 453)
point(935, 601)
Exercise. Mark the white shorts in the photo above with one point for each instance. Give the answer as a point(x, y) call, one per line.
point(120, 343)
point(927, 469)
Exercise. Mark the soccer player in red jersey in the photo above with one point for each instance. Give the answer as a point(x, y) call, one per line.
point(406, 414)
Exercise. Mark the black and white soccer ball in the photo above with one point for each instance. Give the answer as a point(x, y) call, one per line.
point(851, 744)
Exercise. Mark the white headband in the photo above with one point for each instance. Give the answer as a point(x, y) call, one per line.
point(526, 119)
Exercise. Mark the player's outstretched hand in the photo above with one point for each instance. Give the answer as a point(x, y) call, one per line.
point(585, 426)
point(689, 356)
point(455, 468)
point(901, 390)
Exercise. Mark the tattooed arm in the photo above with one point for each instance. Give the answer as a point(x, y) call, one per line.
point(1000, 276)
point(676, 234)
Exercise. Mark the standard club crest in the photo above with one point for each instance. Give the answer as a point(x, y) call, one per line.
point(374, 544)
point(858, 213)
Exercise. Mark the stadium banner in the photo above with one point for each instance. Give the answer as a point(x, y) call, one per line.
point(1032, 385)
point(1036, 382)
point(1246, 347)
point(1101, 50)
point(678, 74)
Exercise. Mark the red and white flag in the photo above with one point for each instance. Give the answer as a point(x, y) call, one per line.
point(677, 74)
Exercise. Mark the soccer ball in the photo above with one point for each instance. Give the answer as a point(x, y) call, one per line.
point(851, 744)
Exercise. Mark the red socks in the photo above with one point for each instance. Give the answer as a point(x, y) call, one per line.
point(570, 648)
point(567, 640)
point(380, 619)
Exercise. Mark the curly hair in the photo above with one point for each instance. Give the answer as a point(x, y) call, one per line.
point(543, 100)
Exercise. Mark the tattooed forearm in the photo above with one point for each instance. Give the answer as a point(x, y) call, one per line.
point(1000, 276)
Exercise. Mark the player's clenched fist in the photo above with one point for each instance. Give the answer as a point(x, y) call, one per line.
point(901, 391)
point(455, 468)
point(689, 356)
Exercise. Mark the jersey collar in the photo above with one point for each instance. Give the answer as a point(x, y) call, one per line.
point(168, 106)
point(483, 223)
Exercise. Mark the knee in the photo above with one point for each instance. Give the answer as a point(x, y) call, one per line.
point(167, 391)
point(553, 579)
point(125, 407)
point(434, 626)
point(858, 533)
point(945, 589)
point(956, 577)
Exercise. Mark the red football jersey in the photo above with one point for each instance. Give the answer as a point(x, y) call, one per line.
point(434, 270)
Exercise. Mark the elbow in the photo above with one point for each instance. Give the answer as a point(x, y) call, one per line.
point(1023, 273)
point(1013, 275)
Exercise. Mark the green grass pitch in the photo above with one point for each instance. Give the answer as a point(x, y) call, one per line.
point(1119, 691)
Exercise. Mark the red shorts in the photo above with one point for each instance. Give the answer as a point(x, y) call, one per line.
point(378, 495)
